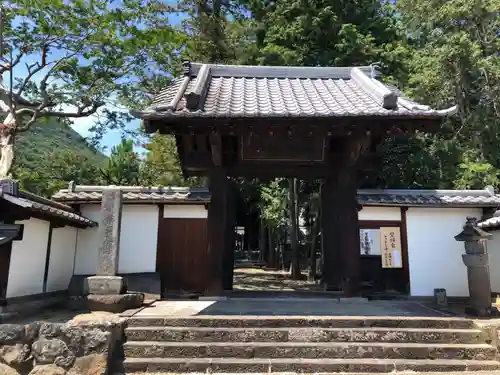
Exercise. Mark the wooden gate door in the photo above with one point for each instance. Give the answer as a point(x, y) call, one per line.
point(182, 255)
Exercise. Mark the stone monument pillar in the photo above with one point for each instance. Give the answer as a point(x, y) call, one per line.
point(477, 262)
point(107, 291)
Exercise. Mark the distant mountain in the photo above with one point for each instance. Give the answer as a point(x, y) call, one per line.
point(51, 154)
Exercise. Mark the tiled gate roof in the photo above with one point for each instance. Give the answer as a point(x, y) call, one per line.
point(211, 90)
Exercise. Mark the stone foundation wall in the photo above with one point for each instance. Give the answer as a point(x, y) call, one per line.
point(88, 344)
point(25, 306)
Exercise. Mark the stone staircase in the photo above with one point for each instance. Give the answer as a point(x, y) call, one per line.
point(308, 345)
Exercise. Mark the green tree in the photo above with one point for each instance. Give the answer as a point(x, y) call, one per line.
point(76, 58)
point(476, 175)
point(124, 165)
point(162, 166)
point(454, 60)
point(322, 32)
point(57, 170)
point(206, 30)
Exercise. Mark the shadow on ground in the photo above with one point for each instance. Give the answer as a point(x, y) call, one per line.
point(258, 279)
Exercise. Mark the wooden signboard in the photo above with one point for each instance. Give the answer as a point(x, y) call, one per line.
point(390, 247)
point(279, 147)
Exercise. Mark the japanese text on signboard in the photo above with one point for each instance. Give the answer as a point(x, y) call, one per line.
point(390, 245)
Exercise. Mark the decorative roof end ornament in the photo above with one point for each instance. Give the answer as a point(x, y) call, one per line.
point(186, 67)
point(376, 89)
point(71, 186)
point(375, 72)
point(9, 187)
point(196, 96)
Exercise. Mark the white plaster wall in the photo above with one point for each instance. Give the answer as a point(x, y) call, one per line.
point(27, 260)
point(62, 258)
point(380, 213)
point(434, 257)
point(197, 211)
point(87, 242)
point(494, 252)
point(138, 239)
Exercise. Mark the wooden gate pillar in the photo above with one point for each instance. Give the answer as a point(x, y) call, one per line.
point(217, 230)
point(332, 257)
point(230, 239)
point(340, 234)
point(340, 224)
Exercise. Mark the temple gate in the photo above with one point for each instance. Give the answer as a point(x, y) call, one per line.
point(265, 122)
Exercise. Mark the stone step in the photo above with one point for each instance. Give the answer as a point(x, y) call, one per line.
point(345, 350)
point(293, 365)
point(208, 334)
point(238, 321)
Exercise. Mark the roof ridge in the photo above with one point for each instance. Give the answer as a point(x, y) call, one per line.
point(131, 189)
point(277, 71)
point(457, 192)
point(153, 189)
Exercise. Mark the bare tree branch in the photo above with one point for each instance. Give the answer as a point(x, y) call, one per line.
point(32, 70)
point(8, 66)
point(82, 111)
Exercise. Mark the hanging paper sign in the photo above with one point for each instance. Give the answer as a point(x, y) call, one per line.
point(390, 246)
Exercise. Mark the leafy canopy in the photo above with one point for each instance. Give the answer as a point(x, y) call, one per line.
point(75, 58)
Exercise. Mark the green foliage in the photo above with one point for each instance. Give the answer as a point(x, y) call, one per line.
point(453, 59)
point(476, 175)
point(322, 33)
point(162, 166)
point(81, 58)
point(51, 155)
point(123, 166)
point(273, 202)
point(206, 30)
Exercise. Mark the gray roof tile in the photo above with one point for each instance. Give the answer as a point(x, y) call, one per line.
point(34, 203)
point(450, 198)
point(249, 91)
point(135, 194)
point(389, 197)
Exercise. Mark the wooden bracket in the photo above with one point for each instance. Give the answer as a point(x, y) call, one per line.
point(216, 149)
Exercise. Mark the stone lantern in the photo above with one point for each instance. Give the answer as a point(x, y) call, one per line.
point(477, 262)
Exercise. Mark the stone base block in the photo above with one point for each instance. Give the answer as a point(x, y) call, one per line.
point(212, 298)
point(106, 285)
point(115, 303)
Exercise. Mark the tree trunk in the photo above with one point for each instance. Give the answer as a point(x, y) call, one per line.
point(262, 239)
point(282, 256)
point(295, 263)
point(312, 252)
point(7, 146)
point(272, 250)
